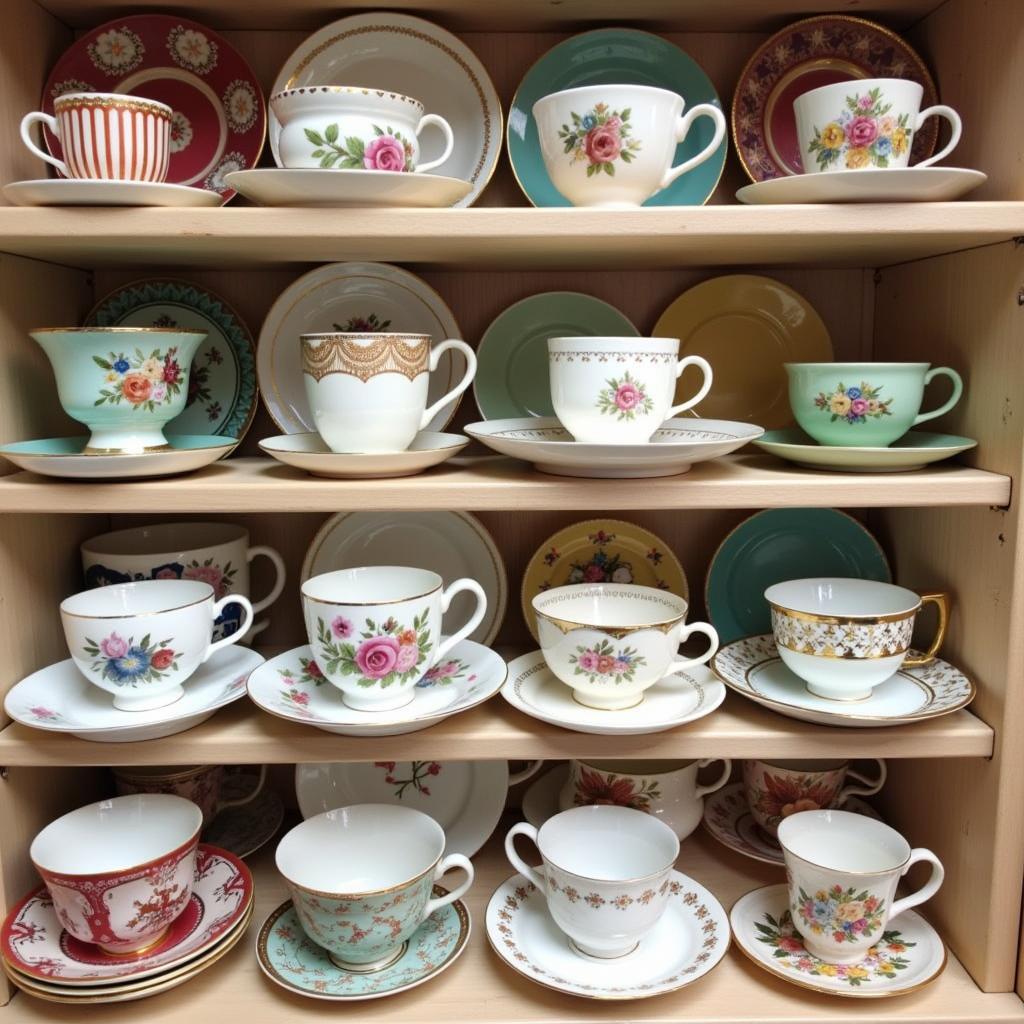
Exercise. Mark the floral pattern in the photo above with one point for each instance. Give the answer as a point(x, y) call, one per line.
point(117, 51)
point(145, 382)
point(362, 324)
point(388, 150)
point(70, 85)
point(419, 774)
point(621, 901)
point(600, 137)
point(41, 714)
point(229, 163)
point(181, 132)
point(444, 673)
point(382, 654)
point(596, 787)
point(854, 404)
point(623, 398)
point(788, 794)
point(845, 914)
point(865, 134)
point(241, 106)
point(126, 663)
point(602, 663)
point(309, 672)
point(192, 50)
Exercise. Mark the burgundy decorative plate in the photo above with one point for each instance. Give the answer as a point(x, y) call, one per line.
point(803, 56)
point(219, 118)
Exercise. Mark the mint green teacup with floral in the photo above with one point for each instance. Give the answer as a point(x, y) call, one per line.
point(867, 405)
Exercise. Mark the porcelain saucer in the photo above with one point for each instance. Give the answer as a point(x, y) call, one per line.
point(906, 958)
point(753, 668)
point(673, 449)
point(874, 185)
point(689, 940)
point(535, 690)
point(308, 451)
point(727, 817)
point(291, 686)
point(60, 699)
point(288, 957)
point(243, 830)
point(85, 192)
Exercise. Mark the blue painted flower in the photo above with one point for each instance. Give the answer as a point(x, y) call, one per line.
point(122, 365)
point(854, 392)
point(102, 576)
point(883, 146)
point(823, 910)
point(589, 121)
point(129, 667)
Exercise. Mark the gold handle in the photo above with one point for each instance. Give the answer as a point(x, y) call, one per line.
point(941, 601)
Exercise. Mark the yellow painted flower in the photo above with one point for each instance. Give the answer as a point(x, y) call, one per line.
point(829, 970)
point(886, 126)
point(858, 157)
point(856, 972)
point(832, 136)
point(886, 968)
point(113, 377)
point(872, 405)
point(899, 141)
point(839, 404)
point(153, 369)
point(852, 911)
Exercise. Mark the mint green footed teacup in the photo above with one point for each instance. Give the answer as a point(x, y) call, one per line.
point(864, 404)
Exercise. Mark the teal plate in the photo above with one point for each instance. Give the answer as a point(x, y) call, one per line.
point(222, 391)
point(784, 544)
point(614, 56)
point(512, 357)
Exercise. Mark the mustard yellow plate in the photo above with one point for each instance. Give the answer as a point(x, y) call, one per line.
point(601, 551)
point(747, 327)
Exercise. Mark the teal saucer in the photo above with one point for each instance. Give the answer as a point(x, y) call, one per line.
point(614, 56)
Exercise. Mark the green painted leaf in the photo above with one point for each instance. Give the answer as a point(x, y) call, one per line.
point(315, 137)
point(331, 133)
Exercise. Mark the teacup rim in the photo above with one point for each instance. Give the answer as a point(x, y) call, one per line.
point(94, 546)
point(322, 335)
point(119, 330)
point(575, 90)
point(579, 589)
point(345, 90)
point(105, 97)
point(136, 585)
point(846, 871)
point(591, 763)
point(860, 83)
point(611, 339)
point(855, 363)
point(862, 618)
point(366, 604)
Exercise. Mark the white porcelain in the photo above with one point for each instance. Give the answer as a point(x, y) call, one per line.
point(535, 690)
point(368, 392)
point(606, 874)
point(915, 450)
point(85, 192)
point(142, 641)
point(609, 642)
point(834, 858)
point(361, 878)
point(875, 185)
point(352, 128)
point(623, 160)
point(865, 124)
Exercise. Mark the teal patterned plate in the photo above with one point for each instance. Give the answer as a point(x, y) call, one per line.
point(222, 391)
point(614, 56)
point(291, 959)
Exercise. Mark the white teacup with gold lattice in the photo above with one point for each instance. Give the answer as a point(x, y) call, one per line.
point(844, 637)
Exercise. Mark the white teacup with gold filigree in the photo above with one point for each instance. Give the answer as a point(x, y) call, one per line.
point(368, 392)
point(612, 641)
point(843, 637)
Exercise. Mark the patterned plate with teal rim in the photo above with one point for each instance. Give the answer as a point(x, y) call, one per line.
point(512, 368)
point(784, 544)
point(614, 56)
point(222, 391)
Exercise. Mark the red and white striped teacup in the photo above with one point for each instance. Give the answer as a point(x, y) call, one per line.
point(106, 136)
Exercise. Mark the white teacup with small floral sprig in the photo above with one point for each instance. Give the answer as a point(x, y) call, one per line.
point(376, 631)
point(618, 390)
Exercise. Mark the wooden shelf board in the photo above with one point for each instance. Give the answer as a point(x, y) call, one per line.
point(853, 235)
point(481, 988)
point(737, 481)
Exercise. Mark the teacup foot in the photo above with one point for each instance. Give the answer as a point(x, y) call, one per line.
point(391, 704)
point(608, 704)
point(840, 697)
point(149, 703)
point(129, 950)
point(594, 954)
point(373, 966)
point(126, 442)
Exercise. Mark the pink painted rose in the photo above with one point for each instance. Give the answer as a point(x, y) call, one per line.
point(861, 131)
point(628, 396)
point(384, 153)
point(620, 666)
point(593, 574)
point(791, 945)
point(341, 627)
point(377, 656)
point(605, 663)
point(602, 144)
point(859, 406)
point(162, 659)
point(407, 657)
point(588, 661)
point(159, 392)
point(313, 670)
point(865, 102)
point(299, 697)
point(614, 123)
point(211, 574)
point(115, 646)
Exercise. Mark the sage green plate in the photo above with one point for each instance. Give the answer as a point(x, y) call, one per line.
point(512, 357)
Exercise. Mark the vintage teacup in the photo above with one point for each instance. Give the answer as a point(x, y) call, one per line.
point(777, 789)
point(142, 641)
point(106, 136)
point(618, 390)
point(216, 553)
point(200, 783)
point(842, 870)
point(124, 383)
point(666, 789)
point(375, 631)
point(844, 637)
point(866, 124)
point(361, 880)
point(120, 871)
point(612, 146)
point(606, 874)
point(350, 128)
point(864, 404)
point(368, 392)
point(612, 641)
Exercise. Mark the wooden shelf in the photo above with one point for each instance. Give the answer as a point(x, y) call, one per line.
point(737, 481)
point(853, 235)
point(481, 988)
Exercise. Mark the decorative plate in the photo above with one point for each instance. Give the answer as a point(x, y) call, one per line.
point(747, 327)
point(600, 551)
point(613, 56)
point(349, 297)
point(83, 192)
point(512, 357)
point(243, 830)
point(874, 185)
point(784, 544)
point(219, 120)
point(398, 52)
point(803, 56)
point(222, 392)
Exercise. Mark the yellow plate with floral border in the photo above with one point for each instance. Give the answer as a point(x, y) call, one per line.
point(600, 551)
point(746, 326)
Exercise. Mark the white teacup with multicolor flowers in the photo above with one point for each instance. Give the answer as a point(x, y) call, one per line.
point(376, 631)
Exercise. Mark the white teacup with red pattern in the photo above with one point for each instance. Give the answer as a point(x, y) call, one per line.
point(120, 871)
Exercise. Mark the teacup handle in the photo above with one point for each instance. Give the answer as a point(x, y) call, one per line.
point(702, 791)
point(218, 607)
point(435, 357)
point(474, 620)
point(523, 828)
point(683, 129)
point(940, 110)
point(868, 788)
point(243, 800)
point(450, 863)
point(449, 140)
point(275, 590)
point(941, 601)
point(687, 631)
point(705, 369)
point(928, 890)
point(958, 390)
point(528, 772)
point(51, 122)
